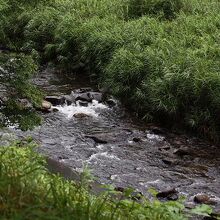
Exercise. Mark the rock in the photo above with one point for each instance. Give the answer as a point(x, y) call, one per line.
point(83, 97)
point(55, 100)
point(136, 139)
point(69, 99)
point(96, 96)
point(80, 115)
point(204, 199)
point(171, 194)
point(55, 109)
point(83, 103)
point(46, 106)
point(88, 96)
point(181, 152)
point(96, 139)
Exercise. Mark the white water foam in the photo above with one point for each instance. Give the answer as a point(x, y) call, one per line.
point(155, 137)
point(103, 154)
point(73, 109)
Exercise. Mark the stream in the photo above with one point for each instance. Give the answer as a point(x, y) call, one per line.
point(119, 150)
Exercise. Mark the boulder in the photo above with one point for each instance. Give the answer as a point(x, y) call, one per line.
point(83, 103)
point(88, 96)
point(83, 97)
point(204, 199)
point(46, 106)
point(55, 100)
point(96, 96)
point(170, 194)
point(69, 99)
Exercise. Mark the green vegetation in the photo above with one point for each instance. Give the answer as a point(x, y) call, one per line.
point(162, 55)
point(19, 96)
point(29, 191)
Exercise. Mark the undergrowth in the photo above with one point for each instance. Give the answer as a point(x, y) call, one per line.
point(29, 191)
point(160, 57)
point(18, 96)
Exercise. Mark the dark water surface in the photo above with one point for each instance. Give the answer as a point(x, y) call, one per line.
point(133, 155)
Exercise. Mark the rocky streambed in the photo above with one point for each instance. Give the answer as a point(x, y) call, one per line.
point(85, 129)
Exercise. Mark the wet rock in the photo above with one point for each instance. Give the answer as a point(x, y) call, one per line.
point(57, 167)
point(55, 109)
point(88, 96)
point(69, 99)
point(137, 139)
point(181, 152)
point(204, 199)
point(83, 103)
point(96, 96)
point(83, 97)
point(96, 139)
point(171, 194)
point(80, 115)
point(55, 100)
point(46, 106)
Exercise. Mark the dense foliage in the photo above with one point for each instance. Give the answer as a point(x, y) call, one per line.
point(17, 95)
point(29, 191)
point(162, 56)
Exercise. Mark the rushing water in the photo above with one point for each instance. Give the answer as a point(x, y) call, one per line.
point(128, 154)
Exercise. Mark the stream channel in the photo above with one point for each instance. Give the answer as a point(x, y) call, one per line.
point(119, 150)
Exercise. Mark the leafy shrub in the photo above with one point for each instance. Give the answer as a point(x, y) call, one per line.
point(15, 73)
point(16, 15)
point(29, 191)
point(40, 29)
